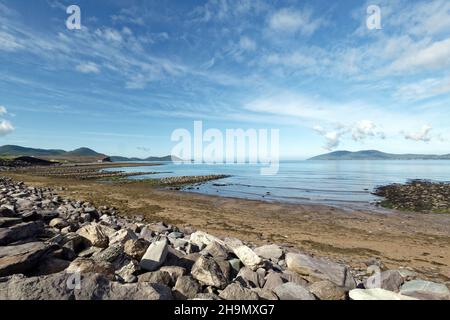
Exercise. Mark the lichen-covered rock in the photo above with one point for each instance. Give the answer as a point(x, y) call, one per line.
point(94, 234)
point(207, 271)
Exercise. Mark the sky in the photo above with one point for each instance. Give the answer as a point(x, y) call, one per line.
point(138, 70)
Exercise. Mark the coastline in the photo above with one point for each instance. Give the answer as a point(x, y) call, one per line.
point(398, 239)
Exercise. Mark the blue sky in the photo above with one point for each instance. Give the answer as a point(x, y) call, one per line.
point(140, 69)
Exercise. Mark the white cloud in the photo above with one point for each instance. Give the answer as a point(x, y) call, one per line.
point(332, 138)
point(247, 44)
point(110, 34)
point(424, 89)
point(365, 129)
point(292, 21)
point(8, 42)
point(434, 56)
point(294, 59)
point(422, 135)
point(88, 67)
point(3, 111)
point(359, 132)
point(5, 127)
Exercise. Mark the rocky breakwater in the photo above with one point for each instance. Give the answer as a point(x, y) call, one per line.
point(416, 195)
point(55, 248)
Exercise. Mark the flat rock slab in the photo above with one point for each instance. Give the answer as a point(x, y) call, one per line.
point(425, 290)
point(320, 268)
point(293, 291)
point(21, 258)
point(376, 294)
point(20, 232)
point(155, 255)
point(235, 291)
point(88, 286)
point(8, 222)
point(270, 251)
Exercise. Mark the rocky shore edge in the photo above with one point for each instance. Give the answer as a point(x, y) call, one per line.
point(52, 248)
point(417, 196)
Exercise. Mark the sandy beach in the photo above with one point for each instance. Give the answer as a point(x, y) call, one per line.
point(398, 239)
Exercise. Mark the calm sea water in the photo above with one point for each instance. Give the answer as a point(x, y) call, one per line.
point(324, 182)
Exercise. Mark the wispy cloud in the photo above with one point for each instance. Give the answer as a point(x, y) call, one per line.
point(289, 20)
point(88, 67)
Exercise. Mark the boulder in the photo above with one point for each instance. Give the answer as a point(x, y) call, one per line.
point(207, 271)
point(22, 231)
point(271, 252)
point(155, 255)
point(24, 204)
point(174, 272)
point(87, 265)
point(265, 294)
point(236, 291)
point(138, 291)
point(248, 257)
point(293, 291)
point(291, 276)
point(389, 280)
point(180, 259)
point(216, 250)
point(156, 277)
point(50, 287)
point(110, 254)
point(122, 236)
point(21, 258)
point(321, 269)
point(136, 248)
point(248, 278)
point(50, 265)
point(376, 294)
point(203, 239)
point(425, 290)
point(128, 272)
point(58, 223)
point(8, 221)
point(94, 235)
point(7, 211)
point(327, 290)
point(273, 280)
point(185, 288)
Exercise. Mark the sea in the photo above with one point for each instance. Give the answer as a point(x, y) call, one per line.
point(337, 183)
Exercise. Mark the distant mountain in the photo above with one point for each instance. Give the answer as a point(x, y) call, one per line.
point(80, 154)
point(377, 155)
point(18, 151)
point(10, 150)
point(84, 152)
point(150, 159)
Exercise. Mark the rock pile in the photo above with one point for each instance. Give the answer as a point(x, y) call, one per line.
point(55, 248)
point(416, 195)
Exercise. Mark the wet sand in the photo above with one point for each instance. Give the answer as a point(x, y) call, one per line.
point(398, 239)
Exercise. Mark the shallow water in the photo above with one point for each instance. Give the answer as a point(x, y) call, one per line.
point(319, 182)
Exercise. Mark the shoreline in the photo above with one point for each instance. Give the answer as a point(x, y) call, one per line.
point(396, 238)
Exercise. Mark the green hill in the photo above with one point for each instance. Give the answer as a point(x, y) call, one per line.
point(15, 151)
point(377, 155)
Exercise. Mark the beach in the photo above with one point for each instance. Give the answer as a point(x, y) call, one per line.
point(354, 237)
